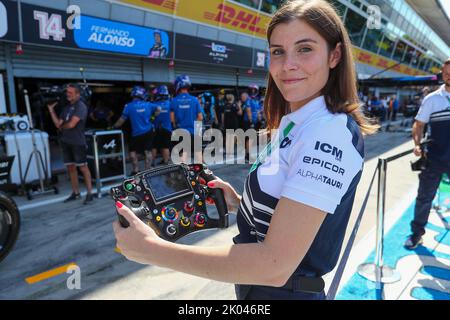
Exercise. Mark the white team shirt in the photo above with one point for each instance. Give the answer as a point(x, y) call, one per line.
point(436, 101)
point(318, 164)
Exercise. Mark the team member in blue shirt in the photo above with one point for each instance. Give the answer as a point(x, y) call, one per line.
point(185, 111)
point(163, 126)
point(208, 103)
point(250, 119)
point(256, 106)
point(139, 112)
point(250, 110)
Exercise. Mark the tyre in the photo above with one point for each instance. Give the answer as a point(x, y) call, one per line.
point(9, 224)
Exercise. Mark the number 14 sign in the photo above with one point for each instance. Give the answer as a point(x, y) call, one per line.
point(52, 27)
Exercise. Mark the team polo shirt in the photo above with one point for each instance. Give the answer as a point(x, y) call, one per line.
point(139, 112)
point(163, 119)
point(318, 164)
point(254, 106)
point(435, 110)
point(186, 109)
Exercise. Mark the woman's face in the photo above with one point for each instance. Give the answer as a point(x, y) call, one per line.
point(300, 62)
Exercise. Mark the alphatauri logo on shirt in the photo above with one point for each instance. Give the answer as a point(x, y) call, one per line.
point(327, 148)
point(285, 143)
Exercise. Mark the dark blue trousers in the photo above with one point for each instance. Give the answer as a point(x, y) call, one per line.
point(429, 181)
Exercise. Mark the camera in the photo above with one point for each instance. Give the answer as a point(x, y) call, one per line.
point(51, 94)
point(420, 164)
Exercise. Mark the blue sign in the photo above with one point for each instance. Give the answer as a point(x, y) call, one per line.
point(105, 35)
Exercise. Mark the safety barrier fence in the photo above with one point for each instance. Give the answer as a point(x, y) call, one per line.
point(376, 271)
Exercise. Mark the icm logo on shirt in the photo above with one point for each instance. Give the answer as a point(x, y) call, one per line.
point(327, 148)
point(3, 21)
point(185, 106)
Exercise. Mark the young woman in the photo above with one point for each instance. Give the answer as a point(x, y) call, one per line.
point(297, 199)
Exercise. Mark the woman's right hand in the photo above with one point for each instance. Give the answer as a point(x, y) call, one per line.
point(232, 198)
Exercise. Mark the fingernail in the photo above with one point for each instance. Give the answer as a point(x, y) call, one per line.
point(119, 204)
point(211, 184)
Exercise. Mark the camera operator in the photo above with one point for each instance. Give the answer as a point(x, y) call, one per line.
point(435, 111)
point(71, 126)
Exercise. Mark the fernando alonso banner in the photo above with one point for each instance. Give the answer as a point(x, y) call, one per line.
point(104, 35)
point(58, 28)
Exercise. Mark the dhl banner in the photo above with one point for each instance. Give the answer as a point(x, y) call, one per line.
point(366, 57)
point(218, 13)
point(232, 16)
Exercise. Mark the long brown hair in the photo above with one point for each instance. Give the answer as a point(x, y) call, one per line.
point(340, 92)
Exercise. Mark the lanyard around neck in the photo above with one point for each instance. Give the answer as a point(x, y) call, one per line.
point(268, 149)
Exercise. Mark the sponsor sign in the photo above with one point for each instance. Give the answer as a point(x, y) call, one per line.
point(210, 51)
point(74, 30)
point(104, 35)
point(226, 14)
point(261, 59)
point(366, 57)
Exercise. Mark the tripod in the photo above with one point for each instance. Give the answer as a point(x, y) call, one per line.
point(42, 169)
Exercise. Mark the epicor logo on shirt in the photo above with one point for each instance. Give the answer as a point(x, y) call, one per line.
point(324, 164)
point(3, 21)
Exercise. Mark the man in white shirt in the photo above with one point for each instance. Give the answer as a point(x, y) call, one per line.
point(435, 111)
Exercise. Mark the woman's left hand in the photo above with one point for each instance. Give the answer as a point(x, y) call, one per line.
point(136, 241)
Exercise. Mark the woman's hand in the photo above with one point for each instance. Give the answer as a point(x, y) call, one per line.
point(232, 198)
point(136, 241)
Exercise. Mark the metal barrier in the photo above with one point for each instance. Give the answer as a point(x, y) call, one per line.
point(377, 271)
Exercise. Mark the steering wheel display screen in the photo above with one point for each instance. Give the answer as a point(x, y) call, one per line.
point(168, 184)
